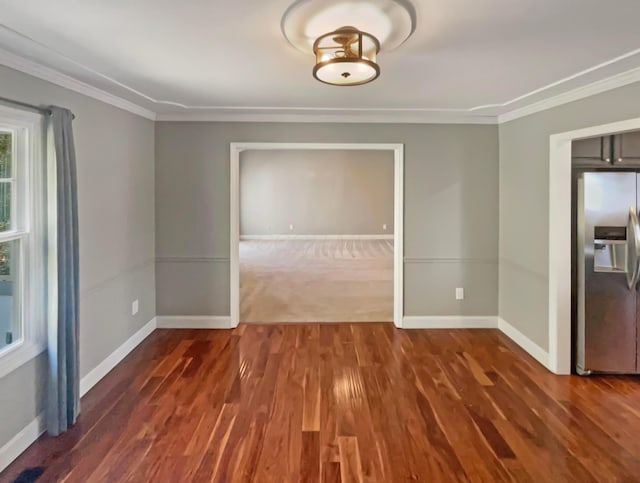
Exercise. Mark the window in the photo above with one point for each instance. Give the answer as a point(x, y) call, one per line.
point(22, 241)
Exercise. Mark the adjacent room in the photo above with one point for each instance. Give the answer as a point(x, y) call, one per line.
point(342, 241)
point(316, 236)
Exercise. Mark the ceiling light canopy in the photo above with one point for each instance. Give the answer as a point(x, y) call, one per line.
point(347, 56)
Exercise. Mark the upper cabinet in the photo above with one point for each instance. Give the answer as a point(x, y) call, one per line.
point(615, 150)
point(626, 147)
point(592, 150)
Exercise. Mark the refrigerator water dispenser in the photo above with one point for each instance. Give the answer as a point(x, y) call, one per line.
point(609, 249)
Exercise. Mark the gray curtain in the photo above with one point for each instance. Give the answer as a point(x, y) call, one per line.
point(63, 403)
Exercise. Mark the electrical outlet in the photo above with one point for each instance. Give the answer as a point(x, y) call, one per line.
point(135, 307)
point(291, 226)
point(384, 227)
point(459, 293)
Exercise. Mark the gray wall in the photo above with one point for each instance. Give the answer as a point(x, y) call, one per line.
point(115, 153)
point(451, 210)
point(524, 202)
point(319, 192)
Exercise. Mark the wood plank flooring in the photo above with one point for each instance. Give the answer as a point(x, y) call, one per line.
point(343, 403)
point(318, 280)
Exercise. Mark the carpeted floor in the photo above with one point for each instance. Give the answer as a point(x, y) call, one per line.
point(316, 280)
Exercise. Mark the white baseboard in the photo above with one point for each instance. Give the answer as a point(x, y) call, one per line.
point(21, 441)
point(315, 237)
point(449, 322)
point(481, 322)
point(32, 431)
point(533, 349)
point(113, 359)
point(194, 322)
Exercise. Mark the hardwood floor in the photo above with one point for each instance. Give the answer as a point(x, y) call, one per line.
point(343, 402)
point(316, 280)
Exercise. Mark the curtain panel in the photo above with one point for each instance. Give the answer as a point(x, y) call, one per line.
point(63, 402)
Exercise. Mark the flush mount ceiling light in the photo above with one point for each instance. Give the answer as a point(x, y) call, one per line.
point(347, 56)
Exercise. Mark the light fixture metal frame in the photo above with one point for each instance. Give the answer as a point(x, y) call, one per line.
point(337, 60)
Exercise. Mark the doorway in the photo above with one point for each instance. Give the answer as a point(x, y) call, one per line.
point(560, 248)
point(315, 242)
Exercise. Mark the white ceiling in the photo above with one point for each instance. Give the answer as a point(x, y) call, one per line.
point(207, 54)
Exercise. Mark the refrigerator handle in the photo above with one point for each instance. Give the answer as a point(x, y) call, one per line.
point(633, 249)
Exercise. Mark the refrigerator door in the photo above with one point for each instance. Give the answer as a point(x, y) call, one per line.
point(606, 257)
point(633, 250)
point(638, 305)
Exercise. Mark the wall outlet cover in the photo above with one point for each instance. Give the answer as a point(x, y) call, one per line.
point(459, 293)
point(291, 226)
point(384, 227)
point(135, 307)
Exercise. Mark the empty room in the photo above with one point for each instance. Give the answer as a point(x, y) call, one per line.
point(319, 241)
point(316, 235)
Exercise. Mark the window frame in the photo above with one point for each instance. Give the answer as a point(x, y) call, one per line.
point(29, 196)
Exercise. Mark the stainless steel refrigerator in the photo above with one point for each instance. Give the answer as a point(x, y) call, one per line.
point(607, 271)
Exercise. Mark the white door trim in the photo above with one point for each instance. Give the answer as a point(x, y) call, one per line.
point(560, 238)
point(398, 226)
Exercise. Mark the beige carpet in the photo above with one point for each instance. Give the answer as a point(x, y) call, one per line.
point(316, 281)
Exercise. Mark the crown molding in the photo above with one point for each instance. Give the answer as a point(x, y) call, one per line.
point(592, 89)
point(40, 71)
point(388, 116)
point(328, 115)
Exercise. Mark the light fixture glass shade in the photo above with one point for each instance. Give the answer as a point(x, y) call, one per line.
point(346, 57)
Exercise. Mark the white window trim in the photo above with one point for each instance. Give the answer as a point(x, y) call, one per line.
point(34, 337)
